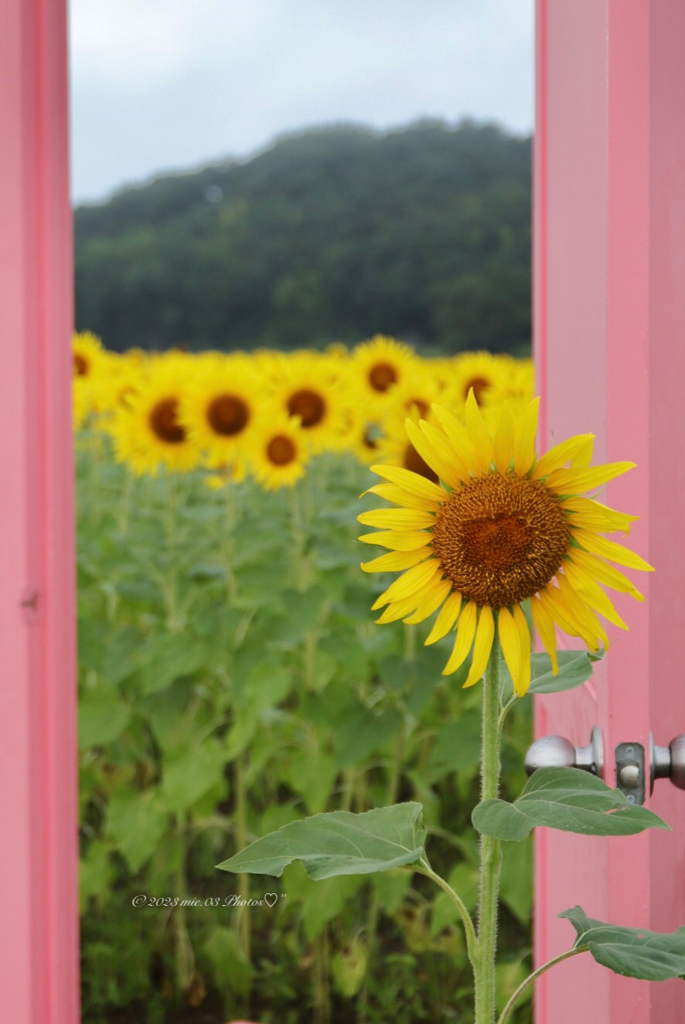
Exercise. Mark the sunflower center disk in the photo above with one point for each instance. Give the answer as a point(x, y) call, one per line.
point(164, 422)
point(228, 415)
point(80, 365)
point(280, 450)
point(382, 376)
point(308, 405)
point(500, 539)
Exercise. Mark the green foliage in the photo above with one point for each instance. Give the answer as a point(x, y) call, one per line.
point(232, 682)
point(575, 668)
point(567, 799)
point(338, 843)
point(633, 952)
point(332, 234)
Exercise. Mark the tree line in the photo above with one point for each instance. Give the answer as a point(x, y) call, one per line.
point(333, 234)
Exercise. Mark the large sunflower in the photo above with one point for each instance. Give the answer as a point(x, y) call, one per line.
point(416, 393)
point(219, 407)
point(278, 451)
point(498, 529)
point(148, 433)
point(380, 365)
point(480, 371)
point(115, 386)
point(88, 354)
point(310, 386)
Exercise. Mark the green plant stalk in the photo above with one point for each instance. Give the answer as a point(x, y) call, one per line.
point(124, 517)
point(506, 1012)
point(244, 924)
point(375, 906)
point(424, 868)
point(173, 623)
point(348, 788)
point(490, 850)
point(394, 780)
point(185, 961)
point(229, 546)
point(322, 992)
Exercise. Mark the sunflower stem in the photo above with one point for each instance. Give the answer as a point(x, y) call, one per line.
point(506, 1012)
point(490, 851)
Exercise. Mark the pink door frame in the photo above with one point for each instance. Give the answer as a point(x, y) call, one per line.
point(610, 353)
point(610, 277)
point(38, 807)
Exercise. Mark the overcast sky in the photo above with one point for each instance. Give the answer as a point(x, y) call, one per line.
point(163, 85)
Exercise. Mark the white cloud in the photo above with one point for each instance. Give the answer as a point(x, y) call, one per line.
point(171, 83)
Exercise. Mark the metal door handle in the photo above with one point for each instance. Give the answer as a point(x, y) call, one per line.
point(558, 752)
point(668, 762)
point(665, 762)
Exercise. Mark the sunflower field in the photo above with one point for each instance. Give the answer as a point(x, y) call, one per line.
point(232, 680)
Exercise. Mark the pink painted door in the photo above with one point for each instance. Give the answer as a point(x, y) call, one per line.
point(38, 830)
point(610, 352)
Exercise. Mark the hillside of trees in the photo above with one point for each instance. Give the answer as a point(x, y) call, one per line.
point(329, 235)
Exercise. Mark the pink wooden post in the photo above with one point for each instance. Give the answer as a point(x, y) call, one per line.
point(38, 834)
point(610, 350)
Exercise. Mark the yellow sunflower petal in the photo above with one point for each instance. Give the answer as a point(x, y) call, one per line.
point(560, 454)
point(478, 432)
point(545, 627)
point(397, 519)
point(433, 458)
point(400, 496)
point(524, 444)
point(466, 628)
point(523, 683)
point(395, 561)
point(432, 601)
point(409, 540)
point(604, 573)
point(550, 599)
point(458, 437)
point(611, 550)
point(447, 616)
point(592, 515)
point(580, 610)
point(412, 482)
point(584, 457)
point(565, 617)
point(592, 593)
point(442, 445)
point(509, 639)
point(482, 645)
point(398, 609)
point(408, 583)
point(573, 481)
point(503, 446)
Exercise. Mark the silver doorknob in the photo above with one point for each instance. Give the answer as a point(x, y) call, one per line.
point(557, 752)
point(668, 762)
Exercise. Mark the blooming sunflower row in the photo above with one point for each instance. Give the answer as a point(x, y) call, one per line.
point(268, 413)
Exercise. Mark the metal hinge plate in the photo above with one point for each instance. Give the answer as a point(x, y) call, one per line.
point(630, 771)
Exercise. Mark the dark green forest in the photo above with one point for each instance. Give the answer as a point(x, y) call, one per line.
point(332, 234)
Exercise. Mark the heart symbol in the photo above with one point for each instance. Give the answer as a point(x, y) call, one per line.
point(270, 898)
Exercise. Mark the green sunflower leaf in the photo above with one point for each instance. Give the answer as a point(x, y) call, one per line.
point(632, 952)
point(575, 668)
point(338, 843)
point(566, 799)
